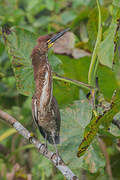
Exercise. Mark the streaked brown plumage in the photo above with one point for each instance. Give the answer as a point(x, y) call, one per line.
point(45, 109)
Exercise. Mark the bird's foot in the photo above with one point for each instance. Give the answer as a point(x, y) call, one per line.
point(55, 156)
point(46, 141)
point(43, 148)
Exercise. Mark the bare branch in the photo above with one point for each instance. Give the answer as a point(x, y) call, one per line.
point(56, 160)
point(104, 150)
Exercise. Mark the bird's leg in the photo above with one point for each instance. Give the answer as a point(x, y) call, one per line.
point(44, 146)
point(46, 140)
point(44, 149)
point(57, 154)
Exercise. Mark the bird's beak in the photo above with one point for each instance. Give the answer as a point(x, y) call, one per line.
point(57, 36)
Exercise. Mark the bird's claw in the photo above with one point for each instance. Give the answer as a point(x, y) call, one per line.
point(56, 158)
point(44, 148)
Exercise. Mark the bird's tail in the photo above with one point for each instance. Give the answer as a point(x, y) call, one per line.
point(54, 140)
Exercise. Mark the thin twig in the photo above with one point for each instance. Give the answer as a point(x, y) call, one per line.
point(72, 81)
point(55, 159)
point(104, 150)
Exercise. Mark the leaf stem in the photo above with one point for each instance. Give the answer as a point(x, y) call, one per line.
point(94, 63)
point(29, 146)
point(74, 82)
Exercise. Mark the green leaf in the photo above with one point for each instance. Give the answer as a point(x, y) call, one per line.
point(93, 127)
point(20, 44)
point(116, 3)
point(67, 16)
point(29, 146)
point(78, 69)
point(106, 49)
point(92, 25)
point(34, 7)
point(74, 119)
point(94, 159)
point(8, 133)
point(107, 81)
point(77, 3)
point(50, 4)
point(55, 62)
point(42, 21)
point(117, 57)
point(83, 14)
point(65, 92)
point(114, 130)
point(39, 165)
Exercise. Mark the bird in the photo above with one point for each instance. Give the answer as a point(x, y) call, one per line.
point(45, 110)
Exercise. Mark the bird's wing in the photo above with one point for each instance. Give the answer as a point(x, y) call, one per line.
point(34, 110)
point(57, 114)
point(35, 116)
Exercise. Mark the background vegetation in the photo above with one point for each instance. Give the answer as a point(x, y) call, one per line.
point(30, 19)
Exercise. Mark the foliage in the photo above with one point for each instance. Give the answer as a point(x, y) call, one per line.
point(82, 125)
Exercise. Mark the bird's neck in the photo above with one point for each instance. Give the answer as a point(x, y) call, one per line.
point(39, 62)
point(43, 80)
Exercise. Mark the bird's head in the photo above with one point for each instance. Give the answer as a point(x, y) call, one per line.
point(47, 41)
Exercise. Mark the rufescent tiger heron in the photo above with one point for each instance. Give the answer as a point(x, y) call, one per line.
point(45, 109)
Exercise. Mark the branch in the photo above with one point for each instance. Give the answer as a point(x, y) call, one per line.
point(56, 160)
point(106, 155)
point(72, 81)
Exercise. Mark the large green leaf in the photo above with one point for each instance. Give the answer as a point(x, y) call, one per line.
point(106, 49)
point(34, 7)
point(78, 3)
point(20, 44)
point(83, 14)
point(55, 62)
point(107, 46)
point(74, 69)
point(116, 3)
point(93, 127)
point(50, 4)
point(78, 69)
point(67, 16)
point(74, 119)
point(92, 25)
